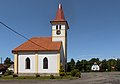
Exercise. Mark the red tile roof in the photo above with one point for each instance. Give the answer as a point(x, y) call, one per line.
point(39, 44)
point(59, 14)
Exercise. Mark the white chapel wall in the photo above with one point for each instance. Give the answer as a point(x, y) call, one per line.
point(52, 62)
point(21, 62)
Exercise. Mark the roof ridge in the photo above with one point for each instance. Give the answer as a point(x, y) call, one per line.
point(41, 37)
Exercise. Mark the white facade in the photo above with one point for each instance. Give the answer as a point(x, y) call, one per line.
point(61, 37)
point(95, 67)
point(52, 62)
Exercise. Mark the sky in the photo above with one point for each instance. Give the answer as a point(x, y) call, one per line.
point(94, 25)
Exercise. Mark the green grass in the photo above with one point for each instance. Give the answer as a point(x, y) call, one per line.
point(10, 77)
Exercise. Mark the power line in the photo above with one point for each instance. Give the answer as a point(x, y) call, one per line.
point(20, 34)
point(13, 30)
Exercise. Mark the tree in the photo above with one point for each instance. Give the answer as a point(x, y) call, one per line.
point(88, 68)
point(111, 64)
point(118, 65)
point(8, 61)
point(78, 65)
point(72, 64)
point(93, 60)
point(68, 67)
point(84, 64)
point(103, 66)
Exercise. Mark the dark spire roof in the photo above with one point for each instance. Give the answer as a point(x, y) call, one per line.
point(59, 14)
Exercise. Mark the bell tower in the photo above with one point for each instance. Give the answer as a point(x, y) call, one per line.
point(59, 30)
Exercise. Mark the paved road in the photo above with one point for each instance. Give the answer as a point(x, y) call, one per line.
point(87, 78)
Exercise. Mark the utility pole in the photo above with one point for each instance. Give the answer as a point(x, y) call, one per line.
point(1, 60)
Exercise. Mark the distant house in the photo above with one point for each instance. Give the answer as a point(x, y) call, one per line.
point(95, 67)
point(3, 68)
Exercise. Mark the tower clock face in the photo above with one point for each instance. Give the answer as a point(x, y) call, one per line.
point(58, 32)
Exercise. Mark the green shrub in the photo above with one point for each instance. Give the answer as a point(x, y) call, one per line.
point(37, 75)
point(52, 76)
point(75, 73)
point(5, 74)
point(78, 74)
point(8, 72)
point(68, 73)
point(62, 73)
point(61, 70)
point(15, 75)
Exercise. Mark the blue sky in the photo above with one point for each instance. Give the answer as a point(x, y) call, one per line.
point(94, 25)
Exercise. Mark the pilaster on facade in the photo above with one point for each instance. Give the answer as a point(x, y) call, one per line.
point(16, 63)
point(36, 60)
point(58, 62)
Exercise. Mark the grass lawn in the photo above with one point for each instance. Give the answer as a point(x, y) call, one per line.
point(10, 77)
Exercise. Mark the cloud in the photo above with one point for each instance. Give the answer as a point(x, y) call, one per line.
point(88, 56)
point(91, 55)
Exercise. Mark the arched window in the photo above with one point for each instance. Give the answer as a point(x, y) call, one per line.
point(60, 27)
point(45, 63)
point(27, 61)
point(57, 27)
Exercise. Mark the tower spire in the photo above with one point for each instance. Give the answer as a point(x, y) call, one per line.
point(59, 18)
point(60, 6)
point(59, 14)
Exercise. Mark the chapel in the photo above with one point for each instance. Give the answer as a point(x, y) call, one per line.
point(44, 55)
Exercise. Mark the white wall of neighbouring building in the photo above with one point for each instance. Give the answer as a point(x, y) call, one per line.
point(95, 67)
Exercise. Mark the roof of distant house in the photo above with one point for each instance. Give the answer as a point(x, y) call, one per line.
point(3, 67)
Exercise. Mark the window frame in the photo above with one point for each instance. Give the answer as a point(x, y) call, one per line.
point(27, 63)
point(45, 63)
